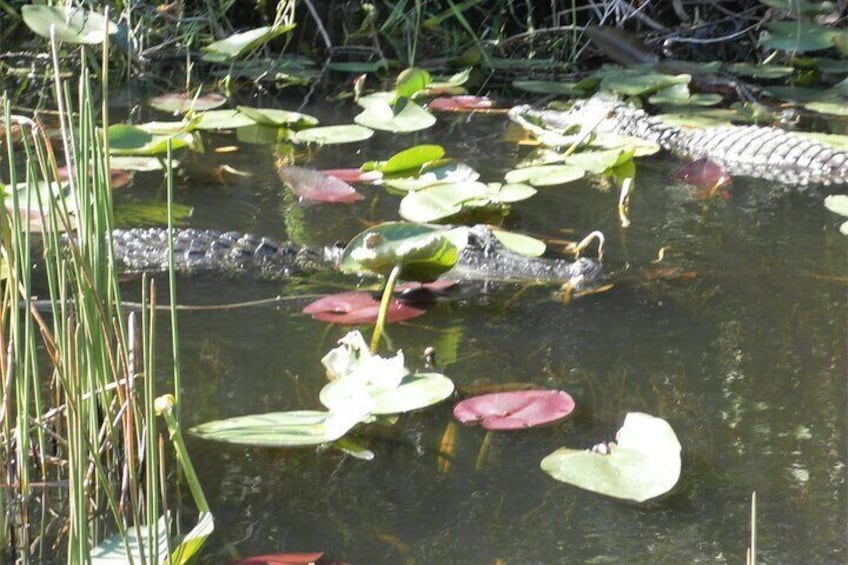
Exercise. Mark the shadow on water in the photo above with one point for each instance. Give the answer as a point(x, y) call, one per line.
point(744, 355)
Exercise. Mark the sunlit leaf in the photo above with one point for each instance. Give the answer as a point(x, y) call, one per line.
point(515, 410)
point(424, 252)
point(546, 175)
point(314, 186)
point(133, 140)
point(150, 213)
point(598, 162)
point(181, 102)
point(456, 79)
point(277, 118)
point(643, 463)
point(223, 119)
point(406, 160)
point(798, 36)
point(403, 117)
point(520, 243)
point(239, 44)
point(333, 135)
point(637, 80)
point(411, 81)
point(435, 172)
point(283, 429)
point(838, 203)
point(132, 546)
point(444, 200)
point(71, 24)
point(192, 542)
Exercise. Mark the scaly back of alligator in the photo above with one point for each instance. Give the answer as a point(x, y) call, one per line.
point(765, 152)
point(195, 250)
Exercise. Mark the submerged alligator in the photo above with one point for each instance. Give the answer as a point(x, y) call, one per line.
point(765, 152)
point(196, 250)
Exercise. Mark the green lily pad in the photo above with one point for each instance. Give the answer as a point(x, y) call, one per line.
point(239, 44)
point(151, 213)
point(581, 88)
point(258, 134)
point(545, 175)
point(134, 140)
point(138, 163)
point(71, 24)
point(637, 80)
point(441, 201)
point(333, 135)
point(838, 203)
point(600, 161)
point(441, 171)
point(411, 81)
point(282, 429)
point(520, 243)
point(404, 116)
point(679, 95)
point(424, 252)
point(222, 119)
point(456, 79)
point(277, 118)
point(406, 160)
point(643, 463)
point(799, 37)
point(760, 70)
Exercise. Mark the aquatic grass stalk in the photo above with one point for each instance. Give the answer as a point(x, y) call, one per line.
point(71, 410)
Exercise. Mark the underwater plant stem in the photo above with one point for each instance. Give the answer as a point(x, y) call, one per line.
point(384, 307)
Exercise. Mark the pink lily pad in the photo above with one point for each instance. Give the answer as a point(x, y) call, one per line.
point(353, 175)
point(286, 559)
point(464, 103)
point(515, 410)
point(705, 175)
point(314, 186)
point(354, 308)
point(181, 102)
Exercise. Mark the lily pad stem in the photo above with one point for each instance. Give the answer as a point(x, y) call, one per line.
point(384, 307)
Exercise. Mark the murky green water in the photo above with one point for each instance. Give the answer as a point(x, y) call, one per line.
point(747, 361)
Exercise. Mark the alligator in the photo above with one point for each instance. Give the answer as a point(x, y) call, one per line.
point(765, 152)
point(195, 250)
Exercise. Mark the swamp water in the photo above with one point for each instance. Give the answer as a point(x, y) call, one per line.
point(744, 353)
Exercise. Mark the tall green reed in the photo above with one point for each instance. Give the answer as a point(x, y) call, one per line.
point(79, 450)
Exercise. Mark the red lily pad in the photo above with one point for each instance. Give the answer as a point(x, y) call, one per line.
point(705, 175)
point(465, 103)
point(315, 186)
point(353, 175)
point(354, 308)
point(285, 559)
point(515, 410)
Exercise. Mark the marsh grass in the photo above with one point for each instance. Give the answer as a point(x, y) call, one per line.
point(80, 454)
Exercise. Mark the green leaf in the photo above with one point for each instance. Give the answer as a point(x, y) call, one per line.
point(113, 550)
point(838, 203)
point(411, 81)
point(277, 118)
point(407, 159)
point(357, 66)
point(581, 88)
point(135, 140)
point(545, 175)
point(599, 162)
point(133, 163)
point(424, 252)
point(181, 102)
point(150, 213)
point(193, 540)
point(72, 25)
point(403, 117)
point(799, 37)
point(520, 243)
point(283, 429)
point(239, 44)
point(679, 95)
point(258, 134)
point(441, 201)
point(642, 464)
point(333, 135)
point(637, 80)
point(456, 79)
point(222, 119)
point(760, 70)
point(440, 171)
